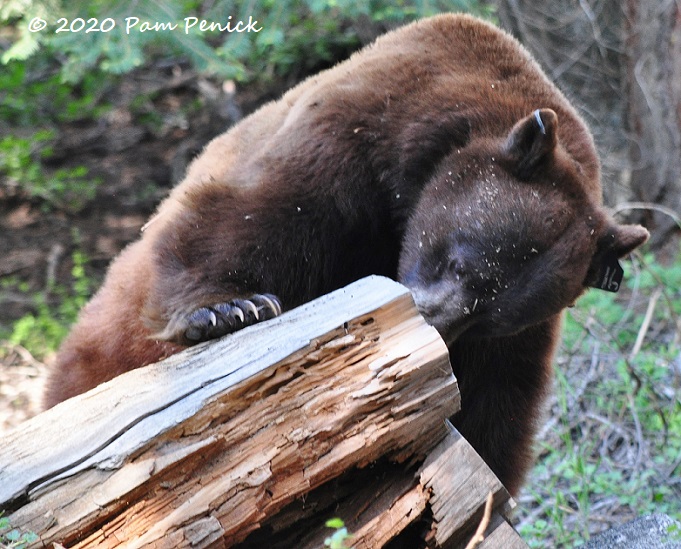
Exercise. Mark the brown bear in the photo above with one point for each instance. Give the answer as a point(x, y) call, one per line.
point(440, 156)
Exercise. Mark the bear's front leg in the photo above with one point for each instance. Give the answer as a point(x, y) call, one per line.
point(503, 383)
point(218, 319)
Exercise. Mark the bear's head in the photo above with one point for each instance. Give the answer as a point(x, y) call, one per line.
point(508, 232)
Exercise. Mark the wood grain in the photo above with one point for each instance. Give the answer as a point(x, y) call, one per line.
point(201, 449)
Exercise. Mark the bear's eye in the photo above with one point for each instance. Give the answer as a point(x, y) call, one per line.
point(456, 268)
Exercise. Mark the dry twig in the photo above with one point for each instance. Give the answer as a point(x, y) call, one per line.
point(479, 535)
point(646, 322)
point(647, 206)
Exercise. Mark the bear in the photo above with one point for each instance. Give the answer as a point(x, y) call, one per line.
point(440, 156)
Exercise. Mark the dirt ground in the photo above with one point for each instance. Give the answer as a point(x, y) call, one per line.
point(21, 383)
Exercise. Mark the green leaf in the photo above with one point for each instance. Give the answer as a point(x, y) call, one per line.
point(335, 523)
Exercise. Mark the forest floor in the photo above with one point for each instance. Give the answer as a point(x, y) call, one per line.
point(160, 120)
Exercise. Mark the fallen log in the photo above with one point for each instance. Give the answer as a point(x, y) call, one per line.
point(337, 408)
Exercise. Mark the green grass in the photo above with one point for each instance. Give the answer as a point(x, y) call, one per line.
point(611, 448)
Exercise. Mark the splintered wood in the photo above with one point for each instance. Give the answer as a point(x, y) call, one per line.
point(334, 409)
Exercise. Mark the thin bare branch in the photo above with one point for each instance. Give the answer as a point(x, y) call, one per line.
point(643, 330)
point(479, 535)
point(626, 206)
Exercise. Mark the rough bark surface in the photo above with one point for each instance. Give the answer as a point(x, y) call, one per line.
point(653, 84)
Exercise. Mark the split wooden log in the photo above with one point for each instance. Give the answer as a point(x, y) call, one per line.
point(337, 408)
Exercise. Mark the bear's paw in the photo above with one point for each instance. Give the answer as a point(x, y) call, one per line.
point(225, 318)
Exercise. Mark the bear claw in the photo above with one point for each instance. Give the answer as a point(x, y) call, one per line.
point(224, 318)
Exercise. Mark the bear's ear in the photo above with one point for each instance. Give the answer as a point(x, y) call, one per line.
point(530, 142)
point(605, 271)
point(624, 239)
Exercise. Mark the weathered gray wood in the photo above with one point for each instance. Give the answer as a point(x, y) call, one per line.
point(124, 414)
point(376, 510)
point(267, 432)
point(460, 481)
point(501, 535)
point(201, 449)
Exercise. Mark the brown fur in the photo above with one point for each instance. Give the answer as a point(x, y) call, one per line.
point(420, 158)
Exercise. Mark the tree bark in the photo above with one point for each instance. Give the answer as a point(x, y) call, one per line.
point(653, 84)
